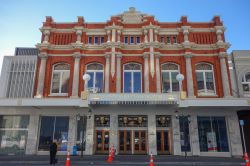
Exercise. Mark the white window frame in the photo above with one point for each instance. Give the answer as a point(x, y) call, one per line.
point(244, 82)
point(60, 80)
point(95, 71)
point(132, 79)
point(204, 78)
point(170, 76)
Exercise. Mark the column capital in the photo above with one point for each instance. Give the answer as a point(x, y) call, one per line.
point(188, 55)
point(145, 31)
point(43, 55)
point(145, 55)
point(219, 29)
point(77, 55)
point(185, 29)
point(107, 55)
point(157, 55)
point(119, 55)
point(222, 55)
point(108, 31)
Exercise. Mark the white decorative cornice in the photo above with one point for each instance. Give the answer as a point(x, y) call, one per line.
point(188, 55)
point(77, 55)
point(45, 28)
point(151, 26)
point(132, 16)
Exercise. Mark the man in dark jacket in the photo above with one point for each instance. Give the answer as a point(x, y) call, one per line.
point(53, 150)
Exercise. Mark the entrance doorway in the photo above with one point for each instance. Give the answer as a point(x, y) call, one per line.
point(163, 142)
point(102, 142)
point(132, 142)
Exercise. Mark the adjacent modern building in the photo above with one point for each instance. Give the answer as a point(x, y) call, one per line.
point(132, 100)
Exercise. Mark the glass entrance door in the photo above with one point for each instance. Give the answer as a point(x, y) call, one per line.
point(140, 142)
point(163, 142)
point(102, 142)
point(125, 142)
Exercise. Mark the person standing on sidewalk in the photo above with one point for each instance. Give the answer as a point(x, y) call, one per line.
point(53, 150)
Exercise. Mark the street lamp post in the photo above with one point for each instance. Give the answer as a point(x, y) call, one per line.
point(180, 78)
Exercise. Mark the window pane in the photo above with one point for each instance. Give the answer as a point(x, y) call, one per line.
point(165, 82)
point(62, 67)
point(65, 82)
point(102, 39)
point(96, 40)
point(247, 77)
point(81, 132)
point(138, 39)
point(127, 82)
point(132, 66)
point(169, 66)
point(175, 83)
point(91, 81)
point(46, 132)
point(126, 39)
point(168, 40)
point(200, 82)
point(137, 82)
point(162, 39)
point(132, 40)
point(174, 39)
point(61, 132)
point(55, 82)
point(209, 82)
point(184, 133)
point(246, 87)
point(94, 66)
point(204, 129)
point(99, 81)
point(90, 40)
point(14, 122)
point(203, 66)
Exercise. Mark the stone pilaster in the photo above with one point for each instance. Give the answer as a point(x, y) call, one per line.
point(72, 132)
point(113, 35)
point(156, 35)
point(119, 36)
point(118, 73)
point(234, 135)
point(113, 131)
point(89, 150)
point(145, 36)
point(75, 85)
point(79, 35)
point(108, 34)
point(189, 74)
point(158, 77)
point(32, 139)
point(176, 136)
point(152, 142)
point(194, 136)
point(41, 76)
point(146, 73)
point(107, 66)
point(224, 74)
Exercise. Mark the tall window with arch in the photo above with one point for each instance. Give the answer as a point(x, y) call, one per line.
point(95, 70)
point(246, 83)
point(169, 71)
point(132, 81)
point(205, 79)
point(60, 79)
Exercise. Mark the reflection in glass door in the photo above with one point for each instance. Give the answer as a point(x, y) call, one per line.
point(125, 142)
point(163, 142)
point(140, 142)
point(102, 141)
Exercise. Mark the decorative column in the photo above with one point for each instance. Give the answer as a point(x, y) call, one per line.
point(224, 74)
point(113, 34)
point(113, 141)
point(75, 85)
point(158, 77)
point(72, 132)
point(107, 73)
point(32, 139)
point(176, 136)
point(156, 35)
point(152, 134)
point(185, 33)
point(146, 73)
point(118, 73)
point(146, 36)
point(118, 35)
point(46, 36)
point(190, 85)
point(41, 77)
point(79, 35)
point(194, 136)
point(108, 33)
point(90, 136)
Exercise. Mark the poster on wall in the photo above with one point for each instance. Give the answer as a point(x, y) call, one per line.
point(211, 142)
point(64, 140)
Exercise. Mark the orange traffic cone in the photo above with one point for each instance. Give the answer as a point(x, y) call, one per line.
point(110, 158)
point(246, 159)
point(151, 160)
point(68, 159)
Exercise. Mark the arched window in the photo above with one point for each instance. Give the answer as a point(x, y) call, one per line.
point(246, 83)
point(95, 71)
point(205, 79)
point(60, 79)
point(169, 71)
point(132, 78)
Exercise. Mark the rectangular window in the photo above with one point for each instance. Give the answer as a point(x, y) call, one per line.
point(213, 134)
point(168, 40)
point(209, 82)
point(55, 82)
point(90, 40)
point(162, 39)
point(184, 134)
point(81, 133)
point(99, 81)
point(174, 39)
point(132, 41)
point(102, 39)
point(132, 120)
point(137, 82)
point(175, 83)
point(200, 82)
point(138, 39)
point(96, 40)
point(126, 39)
point(53, 128)
point(165, 82)
point(127, 82)
point(13, 134)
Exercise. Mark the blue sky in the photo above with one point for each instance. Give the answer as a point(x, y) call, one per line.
point(20, 20)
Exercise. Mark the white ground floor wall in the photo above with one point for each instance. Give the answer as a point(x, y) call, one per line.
point(35, 114)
